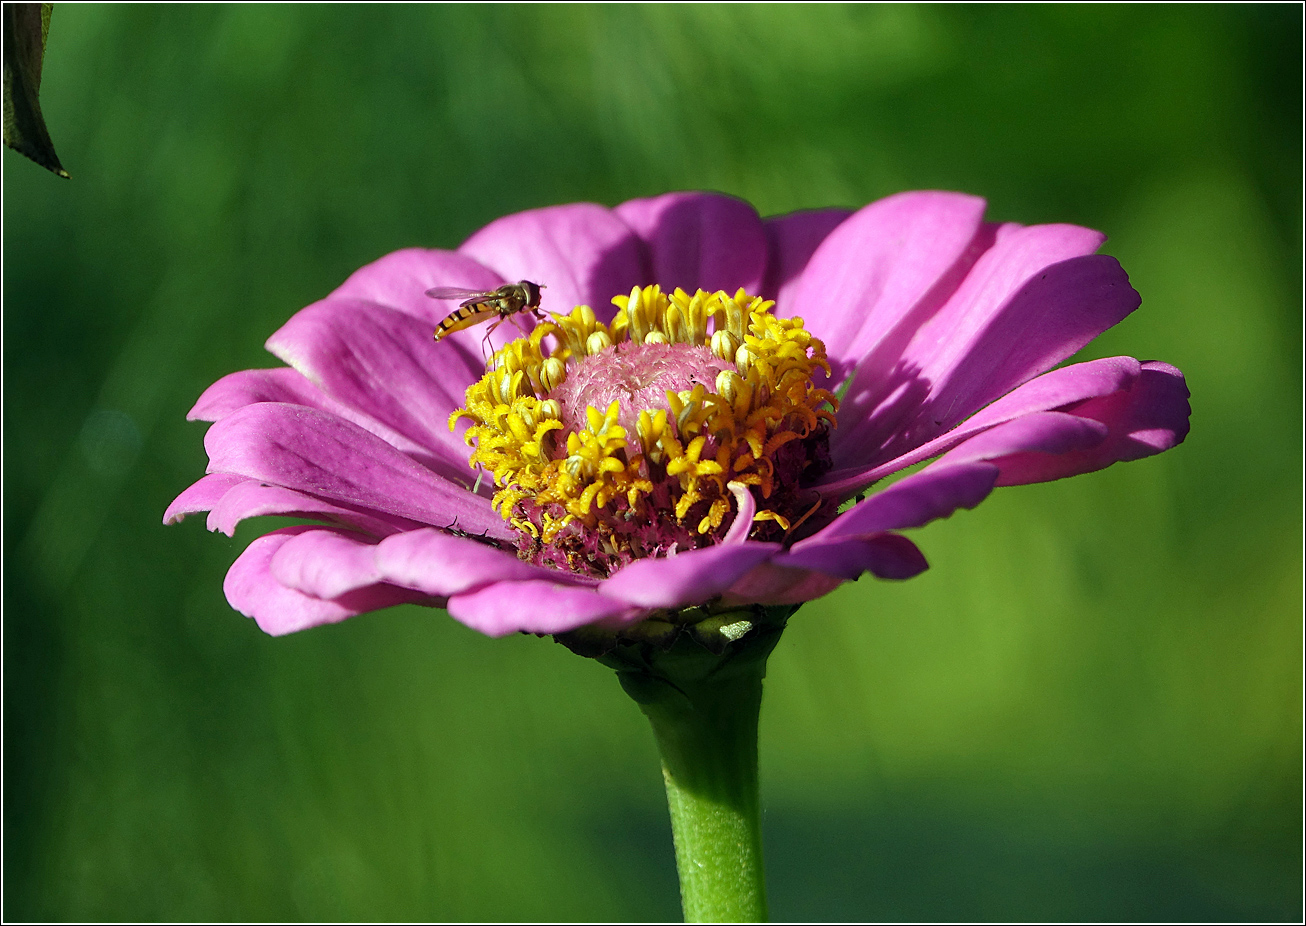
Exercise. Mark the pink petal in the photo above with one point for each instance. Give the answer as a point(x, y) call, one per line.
point(699, 241)
point(400, 281)
point(251, 590)
point(885, 555)
point(440, 564)
point(201, 496)
point(385, 364)
point(913, 501)
point(791, 240)
point(325, 563)
point(248, 387)
point(770, 584)
point(745, 510)
point(581, 253)
point(1050, 391)
point(282, 384)
point(885, 269)
point(686, 578)
point(537, 606)
point(320, 454)
point(1154, 418)
point(252, 499)
point(1146, 419)
point(1039, 432)
point(1007, 324)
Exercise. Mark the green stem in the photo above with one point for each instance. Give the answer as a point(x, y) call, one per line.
point(699, 682)
point(708, 743)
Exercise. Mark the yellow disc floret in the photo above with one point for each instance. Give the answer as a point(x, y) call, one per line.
point(609, 442)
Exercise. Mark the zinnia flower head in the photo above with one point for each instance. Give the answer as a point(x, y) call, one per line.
point(678, 436)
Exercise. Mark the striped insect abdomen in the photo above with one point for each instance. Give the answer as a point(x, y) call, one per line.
point(465, 318)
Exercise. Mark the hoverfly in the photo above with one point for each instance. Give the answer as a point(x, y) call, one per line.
point(478, 306)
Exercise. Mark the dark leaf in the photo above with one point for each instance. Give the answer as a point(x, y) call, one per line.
point(26, 26)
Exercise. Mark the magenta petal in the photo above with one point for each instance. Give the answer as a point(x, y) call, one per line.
point(1050, 391)
point(912, 501)
point(699, 241)
point(886, 268)
point(400, 281)
point(999, 332)
point(1141, 421)
point(1058, 388)
point(441, 564)
point(745, 510)
point(201, 496)
point(770, 584)
point(252, 499)
point(1029, 302)
point(1050, 317)
point(791, 241)
point(325, 563)
point(313, 452)
point(581, 252)
point(535, 607)
point(282, 384)
point(1154, 418)
point(1040, 432)
point(248, 387)
point(385, 364)
point(686, 578)
point(251, 590)
point(886, 556)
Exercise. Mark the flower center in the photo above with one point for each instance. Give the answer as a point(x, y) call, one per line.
point(613, 442)
point(637, 377)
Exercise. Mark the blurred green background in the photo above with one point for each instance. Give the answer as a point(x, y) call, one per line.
point(1089, 708)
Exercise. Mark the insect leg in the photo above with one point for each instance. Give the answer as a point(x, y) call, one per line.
point(486, 350)
point(513, 319)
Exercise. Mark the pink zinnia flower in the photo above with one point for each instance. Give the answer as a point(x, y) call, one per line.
point(938, 331)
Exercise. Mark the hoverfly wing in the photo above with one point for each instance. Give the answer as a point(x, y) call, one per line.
point(457, 292)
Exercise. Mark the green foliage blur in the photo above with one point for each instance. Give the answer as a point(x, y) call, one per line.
point(1090, 708)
